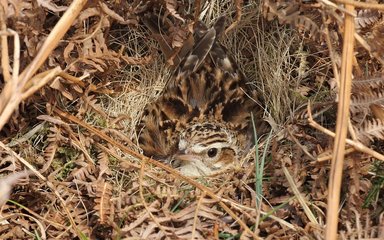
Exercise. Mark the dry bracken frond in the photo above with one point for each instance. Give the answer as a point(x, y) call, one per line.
point(171, 6)
point(111, 69)
point(290, 13)
point(103, 204)
point(371, 81)
point(371, 129)
point(362, 102)
point(103, 164)
point(49, 154)
point(366, 18)
point(85, 171)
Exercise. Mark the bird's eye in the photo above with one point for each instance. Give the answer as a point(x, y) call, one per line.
point(212, 152)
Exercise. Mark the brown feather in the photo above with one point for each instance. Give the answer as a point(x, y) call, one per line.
point(206, 88)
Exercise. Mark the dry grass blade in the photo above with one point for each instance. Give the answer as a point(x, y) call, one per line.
point(299, 196)
point(334, 184)
point(22, 160)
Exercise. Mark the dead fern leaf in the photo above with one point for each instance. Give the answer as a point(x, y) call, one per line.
point(103, 164)
point(171, 6)
point(364, 82)
point(304, 24)
point(374, 38)
point(49, 154)
point(112, 13)
point(56, 135)
point(367, 18)
point(56, 84)
point(51, 6)
point(370, 130)
point(364, 101)
point(378, 111)
point(85, 171)
point(290, 12)
point(90, 103)
point(103, 200)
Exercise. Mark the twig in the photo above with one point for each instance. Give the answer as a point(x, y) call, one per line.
point(11, 83)
point(289, 130)
point(335, 6)
point(328, 156)
point(332, 53)
point(352, 131)
point(357, 145)
point(196, 215)
point(362, 4)
point(4, 46)
point(23, 161)
point(41, 79)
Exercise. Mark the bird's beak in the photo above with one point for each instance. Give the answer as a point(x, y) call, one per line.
point(185, 157)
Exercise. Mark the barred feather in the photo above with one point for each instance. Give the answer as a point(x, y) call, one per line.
point(204, 104)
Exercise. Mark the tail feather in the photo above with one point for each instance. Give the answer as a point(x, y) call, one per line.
point(199, 53)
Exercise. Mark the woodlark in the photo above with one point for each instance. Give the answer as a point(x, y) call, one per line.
point(201, 122)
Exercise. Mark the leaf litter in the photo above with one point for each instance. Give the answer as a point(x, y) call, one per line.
point(106, 67)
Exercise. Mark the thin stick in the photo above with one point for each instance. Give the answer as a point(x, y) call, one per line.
point(327, 157)
point(23, 161)
point(196, 215)
point(239, 4)
point(4, 46)
point(332, 53)
point(362, 4)
point(43, 78)
point(357, 145)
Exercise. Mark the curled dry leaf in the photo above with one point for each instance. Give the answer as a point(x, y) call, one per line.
point(48, 4)
point(171, 6)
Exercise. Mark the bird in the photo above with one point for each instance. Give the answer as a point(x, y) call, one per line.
point(200, 124)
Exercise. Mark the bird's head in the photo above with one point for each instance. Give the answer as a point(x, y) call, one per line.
point(205, 148)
